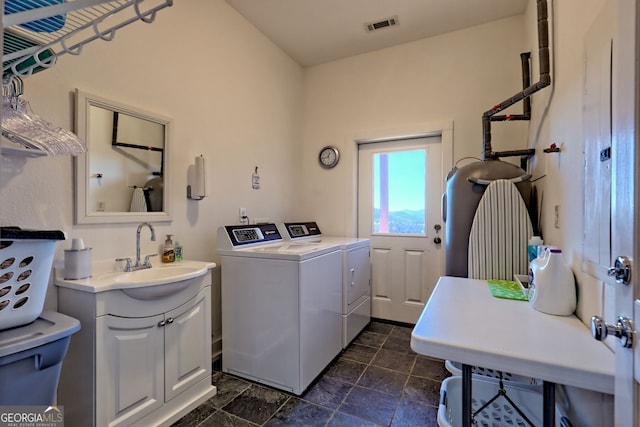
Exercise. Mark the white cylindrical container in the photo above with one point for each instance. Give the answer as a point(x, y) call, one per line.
point(552, 285)
point(77, 263)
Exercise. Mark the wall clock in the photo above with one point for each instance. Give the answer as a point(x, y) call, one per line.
point(329, 157)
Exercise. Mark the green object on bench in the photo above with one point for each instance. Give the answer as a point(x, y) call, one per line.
point(507, 289)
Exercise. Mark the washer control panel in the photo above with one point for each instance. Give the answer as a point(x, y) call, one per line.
point(232, 236)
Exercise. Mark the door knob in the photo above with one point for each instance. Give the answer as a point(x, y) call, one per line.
point(623, 330)
point(621, 270)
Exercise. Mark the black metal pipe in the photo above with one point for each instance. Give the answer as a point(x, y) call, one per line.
point(525, 62)
point(545, 80)
point(486, 137)
point(514, 153)
point(511, 117)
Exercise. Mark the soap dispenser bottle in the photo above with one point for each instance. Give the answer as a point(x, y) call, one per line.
point(168, 251)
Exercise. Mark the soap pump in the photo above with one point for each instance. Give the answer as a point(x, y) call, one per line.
point(168, 251)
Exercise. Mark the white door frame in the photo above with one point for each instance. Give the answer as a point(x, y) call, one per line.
point(444, 128)
point(625, 213)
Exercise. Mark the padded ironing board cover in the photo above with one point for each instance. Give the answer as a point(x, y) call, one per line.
point(500, 233)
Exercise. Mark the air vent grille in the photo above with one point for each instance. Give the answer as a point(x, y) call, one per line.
point(379, 25)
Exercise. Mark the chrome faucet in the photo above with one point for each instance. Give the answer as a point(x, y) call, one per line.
point(147, 262)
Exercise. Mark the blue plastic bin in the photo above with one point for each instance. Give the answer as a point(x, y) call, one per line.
point(31, 358)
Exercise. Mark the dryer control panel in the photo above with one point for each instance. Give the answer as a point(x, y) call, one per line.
point(302, 229)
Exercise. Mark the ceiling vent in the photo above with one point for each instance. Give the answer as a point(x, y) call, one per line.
point(379, 25)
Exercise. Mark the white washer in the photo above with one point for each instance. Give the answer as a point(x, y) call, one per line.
point(356, 274)
point(281, 306)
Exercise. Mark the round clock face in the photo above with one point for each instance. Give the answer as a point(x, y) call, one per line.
point(329, 157)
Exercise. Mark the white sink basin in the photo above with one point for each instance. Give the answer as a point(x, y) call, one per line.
point(147, 284)
point(152, 283)
point(156, 275)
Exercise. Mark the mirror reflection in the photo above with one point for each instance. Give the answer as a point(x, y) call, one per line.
point(122, 177)
point(125, 162)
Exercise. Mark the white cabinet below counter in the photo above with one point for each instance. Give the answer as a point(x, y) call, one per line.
point(136, 362)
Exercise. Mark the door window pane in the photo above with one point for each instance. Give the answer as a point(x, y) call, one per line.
point(399, 192)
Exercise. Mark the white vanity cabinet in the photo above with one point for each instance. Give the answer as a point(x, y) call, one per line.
point(137, 362)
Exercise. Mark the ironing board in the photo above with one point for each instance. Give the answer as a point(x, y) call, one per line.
point(500, 232)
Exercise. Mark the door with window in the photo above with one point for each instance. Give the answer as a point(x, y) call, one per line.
point(400, 183)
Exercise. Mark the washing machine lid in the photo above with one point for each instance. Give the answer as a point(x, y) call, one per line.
point(309, 231)
point(291, 251)
point(346, 242)
point(293, 248)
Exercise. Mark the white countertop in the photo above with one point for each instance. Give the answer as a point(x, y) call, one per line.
point(464, 323)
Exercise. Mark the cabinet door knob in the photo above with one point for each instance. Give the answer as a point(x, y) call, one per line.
point(169, 320)
point(623, 330)
point(162, 323)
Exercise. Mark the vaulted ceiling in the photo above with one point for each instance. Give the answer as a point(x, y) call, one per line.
point(317, 31)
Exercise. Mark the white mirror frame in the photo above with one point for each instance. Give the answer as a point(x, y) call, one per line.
point(81, 170)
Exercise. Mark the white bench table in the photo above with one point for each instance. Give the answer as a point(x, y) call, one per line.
point(463, 322)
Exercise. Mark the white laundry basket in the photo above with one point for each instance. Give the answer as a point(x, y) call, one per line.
point(500, 413)
point(26, 257)
point(455, 368)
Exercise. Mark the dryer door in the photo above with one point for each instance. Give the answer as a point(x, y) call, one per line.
point(356, 275)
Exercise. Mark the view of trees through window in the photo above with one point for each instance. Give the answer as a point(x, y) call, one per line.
point(399, 192)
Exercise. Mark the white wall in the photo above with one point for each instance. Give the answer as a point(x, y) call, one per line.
point(233, 96)
point(557, 118)
point(454, 77)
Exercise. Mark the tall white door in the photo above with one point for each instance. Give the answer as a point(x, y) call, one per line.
point(400, 183)
point(624, 211)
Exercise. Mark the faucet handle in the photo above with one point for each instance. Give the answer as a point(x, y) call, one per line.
point(147, 260)
point(127, 267)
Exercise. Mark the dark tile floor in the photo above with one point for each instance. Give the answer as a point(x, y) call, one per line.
point(376, 381)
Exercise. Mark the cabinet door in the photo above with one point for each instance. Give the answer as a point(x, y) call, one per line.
point(188, 349)
point(129, 368)
point(357, 275)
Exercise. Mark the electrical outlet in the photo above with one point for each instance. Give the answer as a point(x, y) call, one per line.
point(556, 216)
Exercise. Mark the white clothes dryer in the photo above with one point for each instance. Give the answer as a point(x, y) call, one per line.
point(356, 274)
point(281, 306)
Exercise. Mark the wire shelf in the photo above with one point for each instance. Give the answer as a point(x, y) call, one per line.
point(37, 32)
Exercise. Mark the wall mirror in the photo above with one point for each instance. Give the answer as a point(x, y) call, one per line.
point(124, 176)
